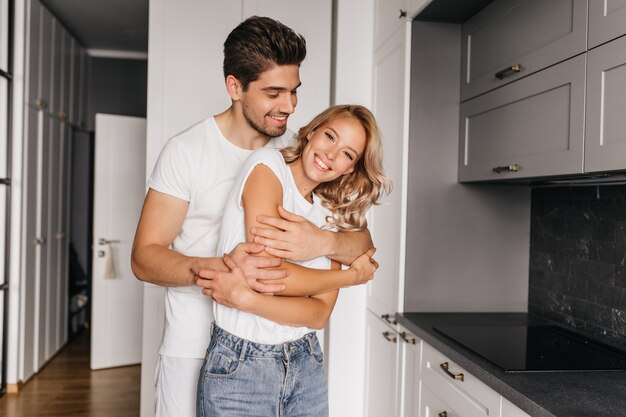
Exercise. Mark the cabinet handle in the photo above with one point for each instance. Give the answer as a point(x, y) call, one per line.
point(458, 377)
point(389, 318)
point(507, 168)
point(513, 69)
point(40, 104)
point(443, 414)
point(389, 336)
point(39, 241)
point(103, 241)
point(409, 340)
point(402, 14)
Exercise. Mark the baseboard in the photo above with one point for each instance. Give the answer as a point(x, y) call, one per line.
point(15, 388)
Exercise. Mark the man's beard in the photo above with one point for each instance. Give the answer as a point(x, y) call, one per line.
point(264, 130)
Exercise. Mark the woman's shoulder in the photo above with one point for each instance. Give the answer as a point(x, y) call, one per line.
point(267, 155)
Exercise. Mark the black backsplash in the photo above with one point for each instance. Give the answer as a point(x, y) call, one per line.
point(578, 259)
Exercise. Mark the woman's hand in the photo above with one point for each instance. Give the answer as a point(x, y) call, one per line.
point(364, 267)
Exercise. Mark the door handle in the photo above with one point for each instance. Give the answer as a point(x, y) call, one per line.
point(102, 241)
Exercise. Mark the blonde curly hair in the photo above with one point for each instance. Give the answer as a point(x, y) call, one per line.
point(349, 196)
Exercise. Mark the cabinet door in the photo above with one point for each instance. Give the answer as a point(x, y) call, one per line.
point(605, 139)
point(31, 246)
point(607, 20)
point(33, 53)
point(410, 353)
point(52, 179)
point(390, 106)
point(433, 406)
point(74, 78)
point(47, 50)
point(56, 92)
point(381, 375)
point(43, 238)
point(535, 124)
point(389, 16)
point(63, 231)
point(530, 34)
point(66, 77)
point(468, 395)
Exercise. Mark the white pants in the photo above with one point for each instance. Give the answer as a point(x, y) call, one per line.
point(176, 382)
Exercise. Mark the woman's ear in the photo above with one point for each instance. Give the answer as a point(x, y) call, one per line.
point(233, 87)
point(310, 135)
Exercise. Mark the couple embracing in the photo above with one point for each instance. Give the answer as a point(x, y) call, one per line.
point(247, 225)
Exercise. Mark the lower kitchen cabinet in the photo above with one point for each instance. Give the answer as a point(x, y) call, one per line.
point(410, 354)
point(509, 410)
point(447, 390)
point(393, 369)
point(383, 366)
point(433, 406)
point(456, 386)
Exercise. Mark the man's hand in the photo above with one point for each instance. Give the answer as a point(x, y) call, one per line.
point(226, 288)
point(254, 268)
point(251, 266)
point(297, 238)
point(364, 266)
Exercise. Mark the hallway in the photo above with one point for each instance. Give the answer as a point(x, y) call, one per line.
point(67, 387)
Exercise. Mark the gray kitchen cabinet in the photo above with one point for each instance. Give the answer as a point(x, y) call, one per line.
point(607, 20)
point(510, 39)
point(605, 135)
point(531, 128)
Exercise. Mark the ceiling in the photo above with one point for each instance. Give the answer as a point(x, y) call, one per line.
point(105, 25)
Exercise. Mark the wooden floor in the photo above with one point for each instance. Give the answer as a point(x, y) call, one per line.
point(66, 387)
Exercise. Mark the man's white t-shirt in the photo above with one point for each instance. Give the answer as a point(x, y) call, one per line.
point(198, 165)
point(246, 325)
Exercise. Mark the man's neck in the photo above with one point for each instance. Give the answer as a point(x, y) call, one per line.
point(236, 129)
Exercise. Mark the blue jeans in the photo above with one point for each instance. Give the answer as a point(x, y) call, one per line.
point(240, 378)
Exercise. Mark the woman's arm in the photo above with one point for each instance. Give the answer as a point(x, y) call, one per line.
point(230, 289)
point(262, 195)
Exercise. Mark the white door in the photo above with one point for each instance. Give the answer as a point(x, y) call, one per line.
point(119, 190)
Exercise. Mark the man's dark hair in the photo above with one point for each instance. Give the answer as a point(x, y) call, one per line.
point(256, 45)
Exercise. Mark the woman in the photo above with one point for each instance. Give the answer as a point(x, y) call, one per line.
point(264, 359)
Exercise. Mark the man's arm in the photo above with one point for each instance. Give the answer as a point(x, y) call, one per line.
point(153, 261)
point(295, 238)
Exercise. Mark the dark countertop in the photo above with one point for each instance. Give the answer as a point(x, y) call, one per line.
point(540, 394)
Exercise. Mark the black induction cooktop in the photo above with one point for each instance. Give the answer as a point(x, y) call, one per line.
point(536, 348)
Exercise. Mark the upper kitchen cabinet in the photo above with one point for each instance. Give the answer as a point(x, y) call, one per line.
point(607, 20)
point(510, 39)
point(531, 128)
point(605, 140)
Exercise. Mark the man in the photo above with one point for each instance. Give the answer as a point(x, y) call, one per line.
point(179, 225)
